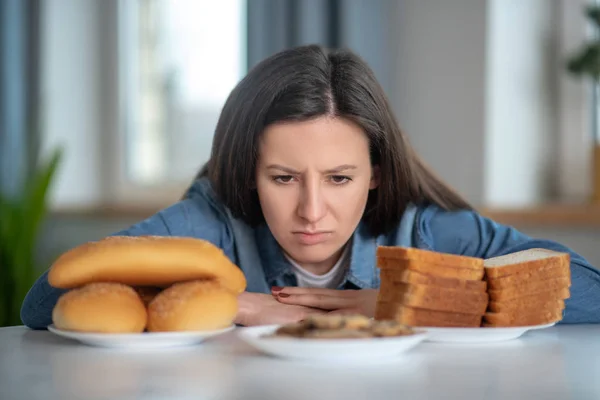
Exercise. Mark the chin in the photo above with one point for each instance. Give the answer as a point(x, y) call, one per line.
point(313, 255)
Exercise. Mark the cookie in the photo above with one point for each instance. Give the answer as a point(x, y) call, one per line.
point(357, 322)
point(324, 322)
point(296, 330)
point(389, 329)
point(337, 334)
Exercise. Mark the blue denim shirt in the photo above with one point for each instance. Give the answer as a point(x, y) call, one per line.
point(256, 252)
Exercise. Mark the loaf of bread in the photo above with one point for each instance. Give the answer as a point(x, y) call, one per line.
point(425, 288)
point(192, 306)
point(145, 261)
point(100, 308)
point(527, 287)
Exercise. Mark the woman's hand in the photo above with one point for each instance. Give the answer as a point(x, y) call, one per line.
point(337, 301)
point(264, 309)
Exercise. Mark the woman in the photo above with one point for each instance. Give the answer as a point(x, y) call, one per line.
point(309, 173)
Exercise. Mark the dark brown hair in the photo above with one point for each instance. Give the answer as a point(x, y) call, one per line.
point(307, 82)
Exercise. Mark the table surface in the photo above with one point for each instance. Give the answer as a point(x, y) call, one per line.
point(562, 362)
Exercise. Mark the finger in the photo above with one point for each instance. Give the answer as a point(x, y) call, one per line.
point(322, 301)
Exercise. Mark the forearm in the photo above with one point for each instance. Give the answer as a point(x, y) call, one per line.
point(584, 304)
point(36, 310)
point(246, 308)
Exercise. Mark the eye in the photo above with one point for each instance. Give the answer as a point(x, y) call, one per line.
point(339, 179)
point(283, 179)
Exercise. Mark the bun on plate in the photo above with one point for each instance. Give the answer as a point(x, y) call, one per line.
point(145, 261)
point(192, 306)
point(101, 307)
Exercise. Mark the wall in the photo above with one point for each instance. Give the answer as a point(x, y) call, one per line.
point(70, 42)
point(439, 90)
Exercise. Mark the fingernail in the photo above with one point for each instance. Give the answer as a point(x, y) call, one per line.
point(284, 295)
point(276, 288)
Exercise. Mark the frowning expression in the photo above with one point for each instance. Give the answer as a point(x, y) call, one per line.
point(313, 179)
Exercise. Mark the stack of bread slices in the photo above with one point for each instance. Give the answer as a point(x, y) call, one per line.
point(426, 288)
point(527, 288)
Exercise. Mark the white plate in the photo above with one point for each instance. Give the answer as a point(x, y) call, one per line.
point(330, 350)
point(478, 335)
point(146, 340)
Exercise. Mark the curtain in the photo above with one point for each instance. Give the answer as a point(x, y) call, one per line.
point(360, 25)
point(19, 85)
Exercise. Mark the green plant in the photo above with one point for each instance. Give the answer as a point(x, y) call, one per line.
point(21, 217)
point(586, 61)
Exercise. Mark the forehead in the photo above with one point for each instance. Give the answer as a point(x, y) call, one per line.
point(314, 139)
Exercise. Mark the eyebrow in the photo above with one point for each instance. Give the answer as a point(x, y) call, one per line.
point(338, 169)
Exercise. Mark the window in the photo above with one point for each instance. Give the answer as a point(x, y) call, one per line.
point(178, 60)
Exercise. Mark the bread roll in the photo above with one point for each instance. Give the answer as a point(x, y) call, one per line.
point(192, 306)
point(101, 308)
point(145, 261)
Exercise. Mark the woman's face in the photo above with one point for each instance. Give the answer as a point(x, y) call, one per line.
point(313, 179)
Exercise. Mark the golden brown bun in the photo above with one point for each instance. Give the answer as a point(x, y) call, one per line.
point(101, 308)
point(145, 261)
point(192, 306)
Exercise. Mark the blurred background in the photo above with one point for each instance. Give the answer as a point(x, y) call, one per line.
point(107, 107)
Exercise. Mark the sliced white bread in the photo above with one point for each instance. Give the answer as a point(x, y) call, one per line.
point(524, 261)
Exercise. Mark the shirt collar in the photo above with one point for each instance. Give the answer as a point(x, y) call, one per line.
point(361, 272)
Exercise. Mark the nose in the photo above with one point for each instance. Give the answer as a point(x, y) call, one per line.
point(311, 205)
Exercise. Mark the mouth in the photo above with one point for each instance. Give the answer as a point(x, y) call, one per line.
point(312, 237)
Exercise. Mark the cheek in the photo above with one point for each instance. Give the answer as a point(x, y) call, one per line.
point(275, 204)
point(350, 201)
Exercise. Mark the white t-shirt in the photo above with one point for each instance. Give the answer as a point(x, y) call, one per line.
point(331, 280)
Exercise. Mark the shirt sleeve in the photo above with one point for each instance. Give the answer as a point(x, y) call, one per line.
point(195, 217)
point(468, 233)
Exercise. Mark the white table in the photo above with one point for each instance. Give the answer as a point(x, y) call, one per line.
point(557, 363)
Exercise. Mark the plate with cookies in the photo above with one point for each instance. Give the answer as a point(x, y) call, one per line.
point(462, 299)
point(145, 292)
point(334, 338)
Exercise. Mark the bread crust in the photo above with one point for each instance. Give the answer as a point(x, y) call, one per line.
point(408, 276)
point(145, 261)
point(438, 270)
point(551, 272)
point(520, 319)
point(192, 306)
point(423, 317)
point(528, 288)
point(100, 307)
point(517, 305)
point(435, 298)
point(429, 256)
